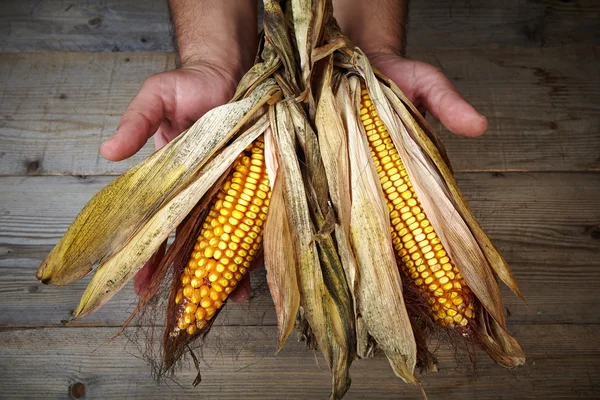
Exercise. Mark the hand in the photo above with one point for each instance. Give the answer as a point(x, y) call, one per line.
point(429, 90)
point(166, 105)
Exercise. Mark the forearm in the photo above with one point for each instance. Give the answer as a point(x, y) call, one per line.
point(376, 26)
point(219, 32)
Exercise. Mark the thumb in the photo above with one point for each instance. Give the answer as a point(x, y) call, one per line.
point(139, 122)
point(444, 102)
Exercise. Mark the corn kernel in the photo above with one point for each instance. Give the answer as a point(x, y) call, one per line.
point(420, 253)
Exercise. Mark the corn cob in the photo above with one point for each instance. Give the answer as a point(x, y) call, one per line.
point(419, 252)
point(230, 238)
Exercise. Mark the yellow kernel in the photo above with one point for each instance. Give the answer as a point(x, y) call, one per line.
point(189, 318)
point(191, 329)
point(206, 303)
point(188, 290)
point(210, 311)
point(439, 274)
point(200, 272)
point(204, 291)
point(208, 252)
point(457, 301)
point(200, 314)
point(190, 308)
point(196, 296)
point(217, 287)
point(181, 324)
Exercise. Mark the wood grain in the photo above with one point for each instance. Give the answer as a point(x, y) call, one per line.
point(547, 225)
point(543, 108)
point(129, 25)
point(239, 362)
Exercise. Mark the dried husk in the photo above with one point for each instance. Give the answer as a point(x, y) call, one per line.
point(474, 255)
point(280, 264)
point(120, 210)
point(379, 288)
point(334, 151)
point(324, 297)
point(113, 274)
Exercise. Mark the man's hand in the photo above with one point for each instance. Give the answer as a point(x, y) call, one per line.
point(377, 27)
point(166, 105)
point(429, 90)
point(217, 42)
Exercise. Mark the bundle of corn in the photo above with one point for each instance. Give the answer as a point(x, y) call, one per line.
point(326, 166)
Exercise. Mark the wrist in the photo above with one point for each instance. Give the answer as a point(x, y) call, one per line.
point(220, 34)
point(375, 26)
point(227, 58)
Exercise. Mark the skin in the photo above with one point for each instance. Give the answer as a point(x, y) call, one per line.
point(217, 42)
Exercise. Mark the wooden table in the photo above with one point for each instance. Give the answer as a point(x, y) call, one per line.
point(69, 68)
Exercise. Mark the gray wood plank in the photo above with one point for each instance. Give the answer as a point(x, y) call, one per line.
point(111, 25)
point(543, 107)
point(547, 225)
point(239, 362)
point(57, 108)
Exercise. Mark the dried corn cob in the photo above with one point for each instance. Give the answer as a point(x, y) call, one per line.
point(230, 238)
point(419, 252)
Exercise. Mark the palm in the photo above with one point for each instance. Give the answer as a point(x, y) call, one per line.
point(187, 95)
point(166, 105)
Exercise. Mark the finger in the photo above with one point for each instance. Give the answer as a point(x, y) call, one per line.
point(242, 291)
point(143, 279)
point(139, 122)
point(444, 102)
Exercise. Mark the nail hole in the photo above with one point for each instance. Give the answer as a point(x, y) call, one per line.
point(95, 21)
point(32, 166)
point(77, 390)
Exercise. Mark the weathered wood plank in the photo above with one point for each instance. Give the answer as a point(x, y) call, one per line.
point(128, 25)
point(57, 108)
point(543, 107)
point(239, 363)
point(547, 225)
